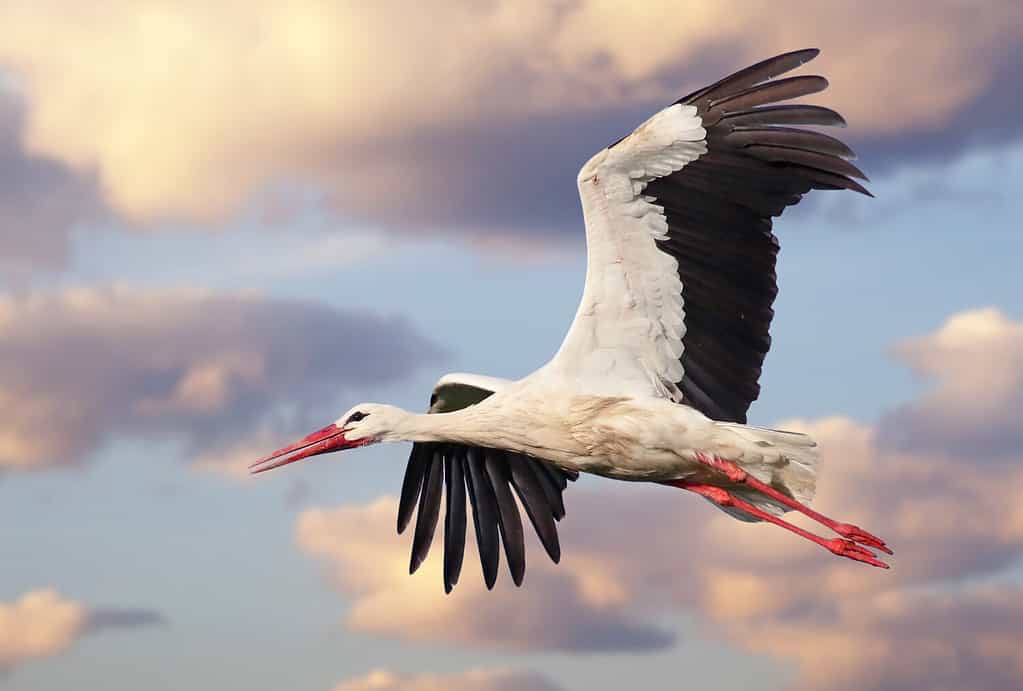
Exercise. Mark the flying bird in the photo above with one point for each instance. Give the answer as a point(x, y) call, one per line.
point(655, 376)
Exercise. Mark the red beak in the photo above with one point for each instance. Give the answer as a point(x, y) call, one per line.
point(330, 438)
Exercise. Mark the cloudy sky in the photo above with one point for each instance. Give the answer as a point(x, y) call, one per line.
point(221, 224)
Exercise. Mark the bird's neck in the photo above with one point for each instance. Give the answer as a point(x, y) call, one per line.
point(493, 424)
point(471, 425)
point(459, 426)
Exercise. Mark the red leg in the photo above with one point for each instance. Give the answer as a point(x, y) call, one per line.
point(738, 475)
point(839, 546)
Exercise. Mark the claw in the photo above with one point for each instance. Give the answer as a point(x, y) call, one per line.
point(858, 534)
point(850, 550)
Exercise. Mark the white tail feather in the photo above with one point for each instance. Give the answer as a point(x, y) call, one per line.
point(785, 460)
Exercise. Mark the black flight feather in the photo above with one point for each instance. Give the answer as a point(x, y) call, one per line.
point(484, 515)
point(749, 76)
point(551, 488)
point(429, 510)
point(718, 210)
point(770, 92)
point(418, 460)
point(531, 494)
point(454, 516)
point(509, 521)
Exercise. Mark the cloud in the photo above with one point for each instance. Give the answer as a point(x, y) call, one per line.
point(221, 373)
point(925, 624)
point(112, 618)
point(903, 641)
point(41, 200)
point(943, 617)
point(473, 680)
point(38, 624)
point(975, 361)
point(42, 623)
point(567, 608)
point(461, 113)
point(664, 548)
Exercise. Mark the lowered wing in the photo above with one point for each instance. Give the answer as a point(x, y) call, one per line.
point(491, 479)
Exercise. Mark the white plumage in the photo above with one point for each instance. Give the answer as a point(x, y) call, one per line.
point(627, 334)
point(654, 378)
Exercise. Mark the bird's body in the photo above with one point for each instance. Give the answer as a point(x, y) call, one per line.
point(623, 438)
point(654, 378)
point(617, 437)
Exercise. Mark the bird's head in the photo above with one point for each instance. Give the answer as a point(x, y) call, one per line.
point(361, 425)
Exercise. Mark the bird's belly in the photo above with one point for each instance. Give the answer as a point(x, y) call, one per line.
point(642, 440)
point(650, 466)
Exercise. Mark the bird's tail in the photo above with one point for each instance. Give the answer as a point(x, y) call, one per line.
point(785, 460)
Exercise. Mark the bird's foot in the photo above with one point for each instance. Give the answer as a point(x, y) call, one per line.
point(858, 534)
point(850, 550)
point(840, 546)
point(739, 476)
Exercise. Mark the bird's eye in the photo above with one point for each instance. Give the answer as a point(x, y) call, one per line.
point(356, 416)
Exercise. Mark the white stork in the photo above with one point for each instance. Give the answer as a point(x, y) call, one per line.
point(654, 378)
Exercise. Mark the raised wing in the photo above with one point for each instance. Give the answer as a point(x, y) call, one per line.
point(680, 279)
point(490, 477)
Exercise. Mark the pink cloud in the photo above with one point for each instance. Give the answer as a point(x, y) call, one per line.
point(900, 641)
point(923, 625)
point(42, 623)
point(575, 607)
point(361, 101)
point(38, 624)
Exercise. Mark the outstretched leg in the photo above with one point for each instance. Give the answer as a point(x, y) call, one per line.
point(840, 546)
point(740, 476)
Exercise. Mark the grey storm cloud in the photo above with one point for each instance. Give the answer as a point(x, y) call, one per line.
point(79, 366)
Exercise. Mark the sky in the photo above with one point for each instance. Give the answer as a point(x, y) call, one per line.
point(222, 224)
